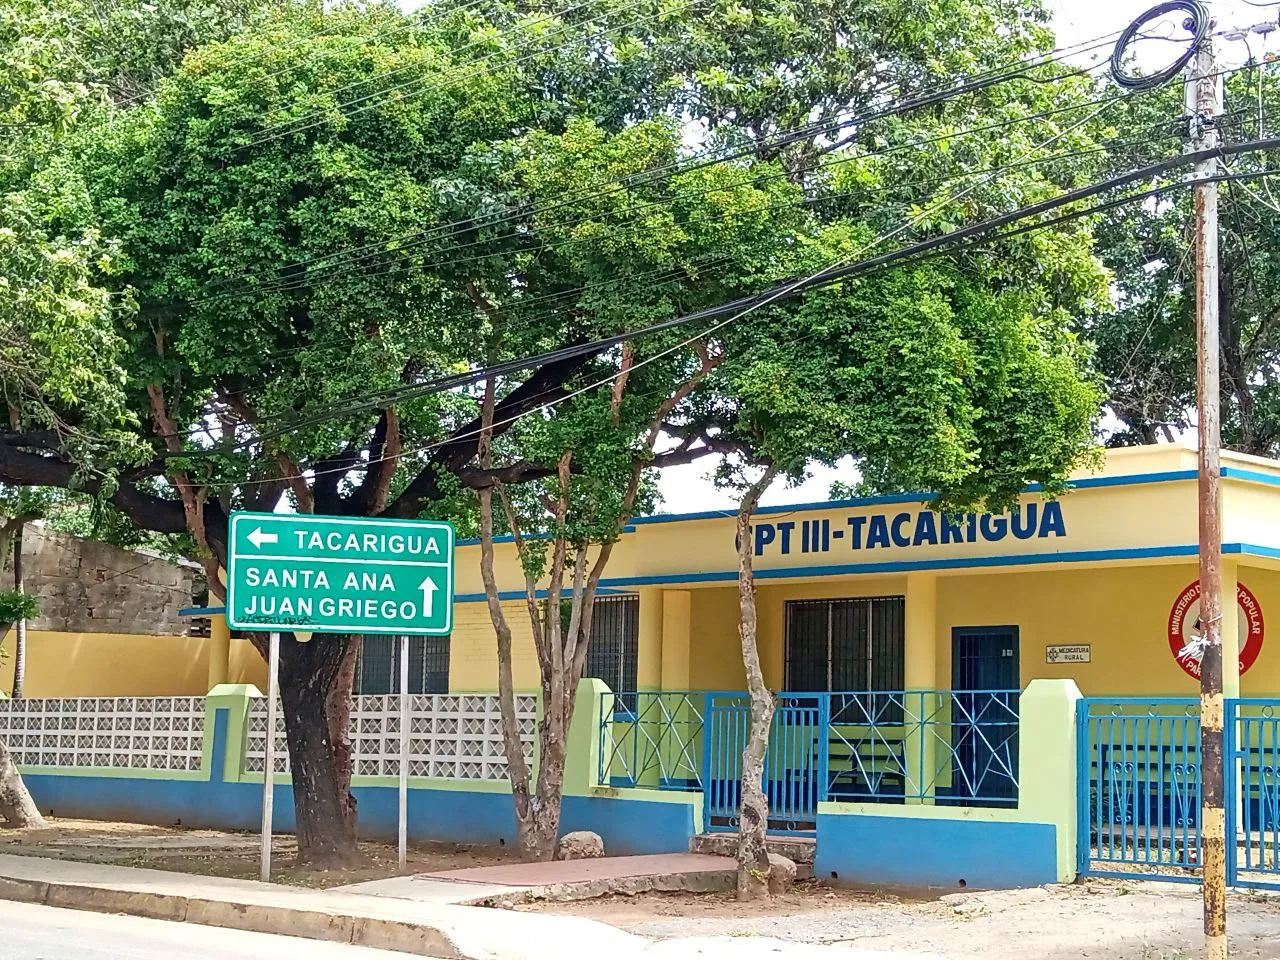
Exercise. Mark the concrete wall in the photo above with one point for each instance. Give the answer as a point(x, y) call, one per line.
point(89, 587)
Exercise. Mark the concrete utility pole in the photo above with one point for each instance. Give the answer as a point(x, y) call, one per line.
point(1204, 98)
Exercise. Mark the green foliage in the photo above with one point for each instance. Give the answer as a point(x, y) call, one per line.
point(15, 606)
point(1146, 343)
point(226, 196)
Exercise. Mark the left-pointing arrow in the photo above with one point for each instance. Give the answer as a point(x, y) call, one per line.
point(258, 538)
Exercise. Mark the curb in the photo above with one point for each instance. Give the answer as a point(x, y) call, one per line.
point(403, 936)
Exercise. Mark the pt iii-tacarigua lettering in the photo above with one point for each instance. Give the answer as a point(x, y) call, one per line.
point(908, 529)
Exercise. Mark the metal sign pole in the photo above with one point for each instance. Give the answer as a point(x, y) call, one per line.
point(269, 768)
point(404, 751)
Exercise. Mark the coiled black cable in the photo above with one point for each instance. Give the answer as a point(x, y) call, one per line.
point(1198, 23)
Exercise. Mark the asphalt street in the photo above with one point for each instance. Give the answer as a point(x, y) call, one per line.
point(31, 932)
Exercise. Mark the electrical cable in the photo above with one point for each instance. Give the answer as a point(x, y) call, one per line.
point(1199, 25)
point(318, 117)
point(374, 253)
point(738, 308)
point(715, 156)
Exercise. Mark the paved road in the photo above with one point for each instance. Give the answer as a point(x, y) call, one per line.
point(30, 932)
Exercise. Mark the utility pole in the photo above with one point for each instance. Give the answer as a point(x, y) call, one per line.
point(1204, 97)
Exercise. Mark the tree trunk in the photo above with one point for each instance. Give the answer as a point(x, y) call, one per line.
point(540, 827)
point(325, 825)
point(338, 709)
point(753, 815)
point(20, 638)
point(17, 808)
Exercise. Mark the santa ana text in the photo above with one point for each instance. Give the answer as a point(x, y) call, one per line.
point(863, 532)
point(368, 608)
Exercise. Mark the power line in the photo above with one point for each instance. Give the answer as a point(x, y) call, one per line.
point(317, 117)
point(744, 306)
point(380, 399)
point(717, 155)
point(375, 254)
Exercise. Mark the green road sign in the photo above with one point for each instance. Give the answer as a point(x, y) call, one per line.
point(289, 571)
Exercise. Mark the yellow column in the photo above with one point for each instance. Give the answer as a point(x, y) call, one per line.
point(649, 655)
point(1231, 638)
point(677, 620)
point(920, 648)
point(920, 672)
point(219, 650)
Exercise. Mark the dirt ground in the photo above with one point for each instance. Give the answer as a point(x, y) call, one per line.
point(225, 854)
point(1107, 919)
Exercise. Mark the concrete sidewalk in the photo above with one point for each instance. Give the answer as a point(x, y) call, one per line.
point(421, 927)
point(427, 929)
point(560, 880)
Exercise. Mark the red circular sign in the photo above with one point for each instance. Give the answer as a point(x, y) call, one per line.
point(1184, 628)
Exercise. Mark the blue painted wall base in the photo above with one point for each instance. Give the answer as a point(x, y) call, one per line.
point(924, 852)
point(451, 816)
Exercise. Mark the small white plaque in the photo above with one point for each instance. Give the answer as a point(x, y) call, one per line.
point(1077, 653)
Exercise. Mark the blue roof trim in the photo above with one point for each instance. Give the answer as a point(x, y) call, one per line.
point(907, 566)
point(1253, 549)
point(201, 611)
point(520, 595)
point(1251, 476)
point(1168, 476)
point(508, 538)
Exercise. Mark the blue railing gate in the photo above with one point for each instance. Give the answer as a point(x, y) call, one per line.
point(1140, 789)
point(794, 766)
point(1138, 801)
point(1252, 754)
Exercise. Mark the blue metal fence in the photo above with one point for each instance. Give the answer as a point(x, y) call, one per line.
point(1252, 752)
point(652, 739)
point(1139, 787)
point(927, 746)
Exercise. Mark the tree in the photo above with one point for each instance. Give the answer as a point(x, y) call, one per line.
point(942, 376)
point(1146, 342)
point(16, 806)
point(310, 217)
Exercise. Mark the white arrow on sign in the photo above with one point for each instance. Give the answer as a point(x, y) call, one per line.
point(428, 588)
point(258, 538)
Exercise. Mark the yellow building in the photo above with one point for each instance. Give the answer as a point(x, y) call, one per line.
point(883, 594)
point(876, 593)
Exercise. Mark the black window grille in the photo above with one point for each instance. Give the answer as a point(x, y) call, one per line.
point(853, 644)
point(378, 669)
point(614, 648)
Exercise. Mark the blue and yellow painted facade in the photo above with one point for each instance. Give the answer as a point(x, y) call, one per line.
point(1100, 568)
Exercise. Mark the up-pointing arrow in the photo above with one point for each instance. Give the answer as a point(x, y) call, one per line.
point(258, 538)
point(428, 588)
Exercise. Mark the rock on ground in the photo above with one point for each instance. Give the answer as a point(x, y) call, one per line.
point(580, 845)
point(782, 874)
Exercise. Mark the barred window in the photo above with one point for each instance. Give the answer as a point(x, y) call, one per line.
point(378, 669)
point(614, 647)
point(850, 644)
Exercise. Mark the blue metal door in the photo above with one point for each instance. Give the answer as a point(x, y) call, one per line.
point(793, 767)
point(984, 721)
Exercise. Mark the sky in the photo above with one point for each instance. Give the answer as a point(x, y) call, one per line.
point(688, 488)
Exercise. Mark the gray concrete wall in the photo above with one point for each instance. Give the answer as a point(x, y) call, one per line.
point(85, 586)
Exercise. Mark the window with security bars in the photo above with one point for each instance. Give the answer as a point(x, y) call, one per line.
point(853, 644)
point(614, 647)
point(378, 670)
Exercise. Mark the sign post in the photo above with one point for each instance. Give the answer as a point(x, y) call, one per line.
point(404, 751)
point(306, 573)
point(269, 766)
